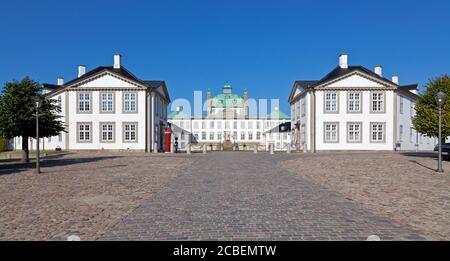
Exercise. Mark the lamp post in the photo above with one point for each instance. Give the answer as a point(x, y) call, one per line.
point(37, 101)
point(440, 99)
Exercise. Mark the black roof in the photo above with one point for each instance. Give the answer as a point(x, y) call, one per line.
point(409, 87)
point(49, 86)
point(339, 72)
point(122, 71)
point(305, 84)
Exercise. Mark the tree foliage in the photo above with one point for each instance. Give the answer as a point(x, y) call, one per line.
point(18, 113)
point(426, 119)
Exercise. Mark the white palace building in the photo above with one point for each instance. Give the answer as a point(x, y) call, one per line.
point(107, 108)
point(354, 108)
point(227, 125)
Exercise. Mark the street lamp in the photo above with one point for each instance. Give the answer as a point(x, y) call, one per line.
point(440, 99)
point(37, 102)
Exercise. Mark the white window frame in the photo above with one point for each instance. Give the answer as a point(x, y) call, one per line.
point(377, 132)
point(130, 102)
point(354, 132)
point(331, 102)
point(331, 132)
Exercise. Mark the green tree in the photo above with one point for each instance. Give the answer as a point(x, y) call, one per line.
point(18, 113)
point(426, 119)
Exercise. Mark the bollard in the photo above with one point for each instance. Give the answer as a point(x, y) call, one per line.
point(204, 148)
point(288, 150)
point(188, 149)
point(255, 149)
point(172, 148)
point(271, 148)
point(155, 147)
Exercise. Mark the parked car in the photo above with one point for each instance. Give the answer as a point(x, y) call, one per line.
point(445, 150)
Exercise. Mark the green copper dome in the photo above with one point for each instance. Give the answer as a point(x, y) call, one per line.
point(227, 99)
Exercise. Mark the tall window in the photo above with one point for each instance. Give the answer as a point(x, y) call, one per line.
point(219, 135)
point(258, 135)
point(59, 101)
point(250, 136)
point(203, 135)
point(377, 102)
point(107, 102)
point(401, 133)
point(242, 124)
point(84, 132)
point(297, 110)
point(235, 123)
point(258, 125)
point(331, 132)
point(211, 136)
point(331, 102)
point(411, 135)
point(250, 124)
point(354, 102)
point(401, 105)
point(84, 102)
point(235, 135)
point(219, 125)
point(411, 110)
point(130, 132)
point(242, 135)
point(107, 132)
point(354, 132)
point(60, 137)
point(211, 124)
point(377, 132)
point(203, 125)
point(303, 109)
point(227, 125)
point(195, 124)
point(129, 102)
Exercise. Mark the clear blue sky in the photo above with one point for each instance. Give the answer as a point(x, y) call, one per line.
point(194, 45)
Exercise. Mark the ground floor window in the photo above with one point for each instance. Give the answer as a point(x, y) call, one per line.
point(84, 132)
point(354, 132)
point(219, 136)
point(130, 132)
point(250, 136)
point(258, 135)
point(331, 132)
point(377, 131)
point(211, 136)
point(242, 135)
point(204, 135)
point(107, 132)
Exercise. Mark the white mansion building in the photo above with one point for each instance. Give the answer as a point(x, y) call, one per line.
point(228, 125)
point(108, 108)
point(353, 108)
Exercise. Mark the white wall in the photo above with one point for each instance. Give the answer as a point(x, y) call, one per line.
point(407, 136)
point(365, 117)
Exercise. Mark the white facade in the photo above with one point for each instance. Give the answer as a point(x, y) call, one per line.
point(108, 108)
point(353, 108)
point(245, 133)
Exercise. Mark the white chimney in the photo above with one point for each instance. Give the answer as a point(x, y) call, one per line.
point(378, 70)
point(60, 81)
point(117, 61)
point(395, 79)
point(343, 61)
point(81, 70)
point(177, 109)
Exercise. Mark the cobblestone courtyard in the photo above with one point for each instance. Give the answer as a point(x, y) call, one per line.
point(243, 196)
point(78, 194)
point(225, 196)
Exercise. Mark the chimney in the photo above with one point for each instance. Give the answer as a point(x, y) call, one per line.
point(395, 79)
point(343, 61)
point(117, 61)
point(177, 109)
point(60, 81)
point(81, 70)
point(378, 70)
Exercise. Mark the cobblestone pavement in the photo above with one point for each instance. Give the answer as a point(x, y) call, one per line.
point(403, 187)
point(79, 193)
point(243, 196)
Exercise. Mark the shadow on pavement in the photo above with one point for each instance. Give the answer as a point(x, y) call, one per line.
point(50, 161)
